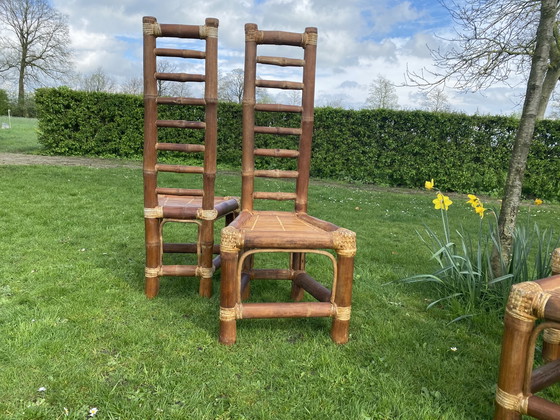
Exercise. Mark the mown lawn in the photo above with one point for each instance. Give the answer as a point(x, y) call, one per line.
point(21, 137)
point(77, 331)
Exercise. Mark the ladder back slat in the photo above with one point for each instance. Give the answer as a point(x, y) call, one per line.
point(281, 61)
point(172, 52)
point(279, 84)
point(180, 147)
point(278, 108)
point(180, 77)
point(277, 153)
point(279, 196)
point(169, 100)
point(276, 173)
point(182, 169)
point(278, 130)
point(180, 191)
point(180, 31)
point(181, 124)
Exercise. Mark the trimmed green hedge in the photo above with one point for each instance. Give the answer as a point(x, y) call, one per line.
point(468, 154)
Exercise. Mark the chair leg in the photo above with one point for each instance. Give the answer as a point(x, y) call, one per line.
point(228, 297)
point(206, 238)
point(513, 361)
point(297, 263)
point(551, 344)
point(343, 299)
point(153, 256)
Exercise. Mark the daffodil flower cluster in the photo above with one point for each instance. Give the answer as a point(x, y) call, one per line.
point(476, 204)
point(441, 201)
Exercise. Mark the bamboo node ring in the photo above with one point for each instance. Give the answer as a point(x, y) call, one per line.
point(517, 403)
point(551, 335)
point(231, 314)
point(152, 271)
point(206, 214)
point(153, 29)
point(344, 242)
point(153, 213)
point(342, 313)
point(204, 272)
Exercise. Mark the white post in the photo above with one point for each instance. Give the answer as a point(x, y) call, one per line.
point(9, 119)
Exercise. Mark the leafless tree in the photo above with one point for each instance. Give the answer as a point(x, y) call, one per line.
point(435, 100)
point(230, 88)
point(133, 86)
point(493, 40)
point(35, 44)
point(98, 81)
point(382, 94)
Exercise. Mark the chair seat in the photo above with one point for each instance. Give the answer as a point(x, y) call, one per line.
point(286, 230)
point(187, 206)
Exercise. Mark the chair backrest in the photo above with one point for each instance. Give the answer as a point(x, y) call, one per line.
point(208, 33)
point(308, 42)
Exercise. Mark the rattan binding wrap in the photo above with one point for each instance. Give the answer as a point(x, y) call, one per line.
point(555, 264)
point(512, 402)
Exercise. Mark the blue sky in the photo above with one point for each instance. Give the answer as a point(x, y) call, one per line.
point(358, 40)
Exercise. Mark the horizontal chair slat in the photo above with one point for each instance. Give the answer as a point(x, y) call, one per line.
point(278, 108)
point(169, 100)
point(182, 169)
point(272, 274)
point(181, 124)
point(180, 77)
point(279, 196)
point(180, 31)
point(279, 84)
point(276, 173)
point(287, 153)
point(178, 270)
point(281, 61)
point(286, 310)
point(176, 248)
point(280, 38)
point(313, 287)
point(172, 52)
point(179, 191)
point(278, 130)
point(180, 147)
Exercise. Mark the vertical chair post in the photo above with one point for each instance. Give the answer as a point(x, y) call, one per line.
point(229, 251)
point(551, 336)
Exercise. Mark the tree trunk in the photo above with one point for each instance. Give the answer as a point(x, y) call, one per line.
point(524, 136)
point(552, 73)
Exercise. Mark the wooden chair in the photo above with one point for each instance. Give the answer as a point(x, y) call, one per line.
point(291, 232)
point(533, 308)
point(176, 203)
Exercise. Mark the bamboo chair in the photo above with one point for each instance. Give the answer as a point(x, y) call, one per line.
point(533, 308)
point(291, 232)
point(179, 204)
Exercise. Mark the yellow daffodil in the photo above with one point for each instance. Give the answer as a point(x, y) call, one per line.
point(480, 210)
point(429, 185)
point(442, 202)
point(473, 200)
point(538, 201)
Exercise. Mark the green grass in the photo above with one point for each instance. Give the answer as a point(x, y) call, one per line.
point(21, 137)
point(74, 319)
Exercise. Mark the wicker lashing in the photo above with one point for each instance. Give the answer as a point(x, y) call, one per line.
point(292, 233)
point(532, 311)
point(164, 204)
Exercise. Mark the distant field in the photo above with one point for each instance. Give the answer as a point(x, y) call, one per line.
point(21, 137)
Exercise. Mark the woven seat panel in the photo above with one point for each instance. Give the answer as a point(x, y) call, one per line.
point(279, 222)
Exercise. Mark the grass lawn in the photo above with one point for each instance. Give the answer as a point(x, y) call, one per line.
point(21, 137)
point(77, 331)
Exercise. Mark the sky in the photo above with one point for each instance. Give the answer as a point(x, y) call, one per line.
point(358, 41)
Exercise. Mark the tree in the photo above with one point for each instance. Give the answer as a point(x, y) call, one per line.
point(435, 100)
point(494, 40)
point(98, 81)
point(382, 94)
point(133, 86)
point(231, 86)
point(518, 162)
point(36, 44)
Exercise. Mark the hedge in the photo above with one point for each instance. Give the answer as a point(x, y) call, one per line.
point(468, 154)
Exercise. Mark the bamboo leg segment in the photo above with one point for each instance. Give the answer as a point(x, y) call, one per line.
point(228, 294)
point(342, 298)
point(510, 400)
point(206, 240)
point(153, 257)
